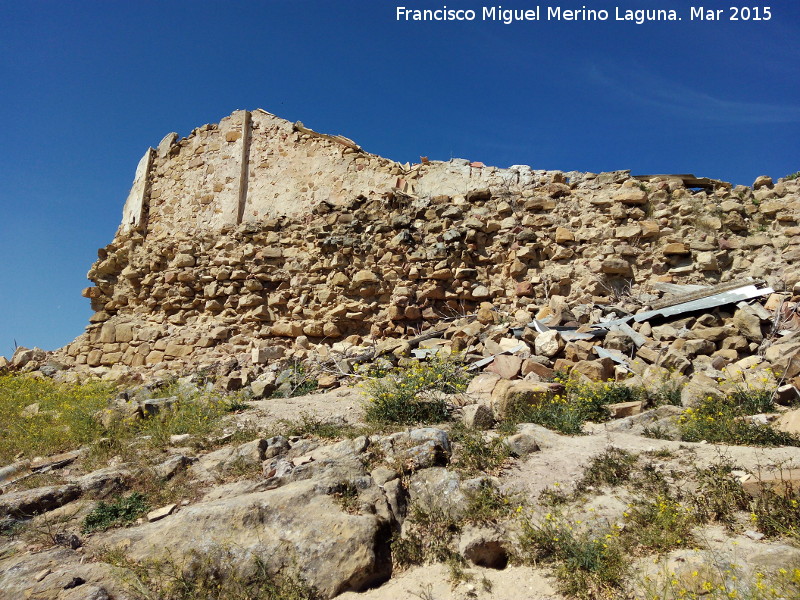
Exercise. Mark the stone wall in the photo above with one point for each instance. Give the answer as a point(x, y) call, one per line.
point(253, 166)
point(318, 245)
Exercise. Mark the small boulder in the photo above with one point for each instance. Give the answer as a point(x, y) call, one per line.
point(477, 416)
point(549, 343)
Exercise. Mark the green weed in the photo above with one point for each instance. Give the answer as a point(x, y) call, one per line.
point(309, 425)
point(580, 402)
point(721, 420)
point(427, 537)
point(122, 511)
point(487, 504)
point(345, 494)
point(218, 575)
point(659, 523)
point(588, 564)
point(295, 381)
point(60, 417)
point(612, 467)
point(474, 454)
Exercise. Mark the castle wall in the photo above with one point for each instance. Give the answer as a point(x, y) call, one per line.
point(258, 232)
point(254, 166)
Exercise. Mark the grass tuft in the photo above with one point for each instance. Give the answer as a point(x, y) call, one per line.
point(120, 512)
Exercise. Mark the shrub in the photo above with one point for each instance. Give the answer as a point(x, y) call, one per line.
point(309, 425)
point(345, 494)
point(659, 523)
point(721, 420)
point(776, 510)
point(198, 414)
point(667, 392)
point(792, 176)
point(487, 504)
point(719, 495)
point(555, 413)
point(751, 401)
point(722, 581)
point(580, 402)
point(122, 511)
point(594, 398)
point(427, 537)
point(415, 394)
point(295, 381)
point(612, 467)
point(222, 574)
point(587, 564)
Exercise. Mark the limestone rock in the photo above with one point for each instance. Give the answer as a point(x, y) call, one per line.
point(338, 551)
point(549, 343)
point(675, 249)
point(505, 365)
point(26, 503)
point(480, 388)
point(632, 196)
point(521, 444)
point(748, 324)
point(762, 181)
point(478, 416)
point(509, 395)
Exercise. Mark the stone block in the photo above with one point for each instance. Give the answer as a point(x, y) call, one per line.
point(597, 370)
point(505, 365)
point(789, 422)
point(478, 416)
point(675, 249)
point(265, 354)
point(633, 196)
point(540, 370)
point(508, 395)
point(160, 513)
point(783, 482)
point(107, 333)
point(549, 343)
point(625, 409)
point(481, 387)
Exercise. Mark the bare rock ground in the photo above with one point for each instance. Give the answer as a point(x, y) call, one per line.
point(288, 511)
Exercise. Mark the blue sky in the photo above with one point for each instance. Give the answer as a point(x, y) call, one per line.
point(88, 86)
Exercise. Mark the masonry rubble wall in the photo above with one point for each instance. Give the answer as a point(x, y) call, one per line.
point(259, 232)
point(253, 166)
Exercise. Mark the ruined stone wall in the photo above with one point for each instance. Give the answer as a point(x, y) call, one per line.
point(323, 243)
point(253, 166)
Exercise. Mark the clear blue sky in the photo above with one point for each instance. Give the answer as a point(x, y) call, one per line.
point(86, 87)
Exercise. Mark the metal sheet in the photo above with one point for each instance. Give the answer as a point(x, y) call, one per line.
point(573, 334)
point(743, 293)
point(615, 355)
point(637, 338)
point(539, 326)
point(485, 361)
point(705, 292)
